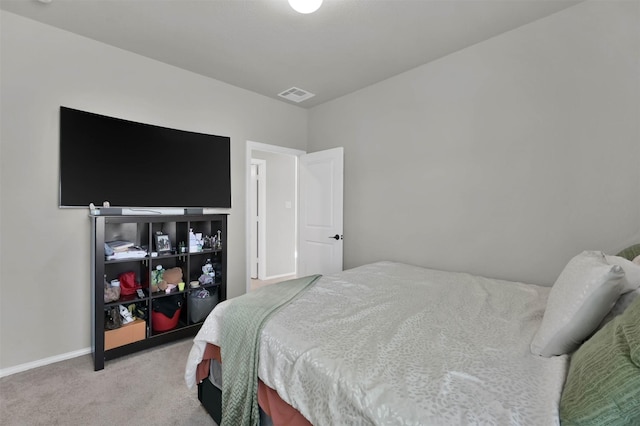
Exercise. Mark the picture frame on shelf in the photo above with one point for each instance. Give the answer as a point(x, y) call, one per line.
point(163, 243)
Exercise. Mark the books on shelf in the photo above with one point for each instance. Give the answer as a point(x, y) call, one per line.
point(133, 252)
point(119, 245)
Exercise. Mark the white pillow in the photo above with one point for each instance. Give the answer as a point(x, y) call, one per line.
point(583, 294)
point(631, 280)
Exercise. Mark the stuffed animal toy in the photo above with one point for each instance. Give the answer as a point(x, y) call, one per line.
point(170, 277)
point(208, 273)
point(156, 278)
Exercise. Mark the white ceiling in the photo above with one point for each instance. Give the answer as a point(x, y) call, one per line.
point(266, 47)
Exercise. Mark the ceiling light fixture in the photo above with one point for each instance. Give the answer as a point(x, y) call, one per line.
point(305, 6)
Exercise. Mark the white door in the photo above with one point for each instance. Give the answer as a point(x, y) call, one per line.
point(320, 196)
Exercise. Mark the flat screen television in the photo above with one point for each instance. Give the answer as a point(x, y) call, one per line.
point(132, 164)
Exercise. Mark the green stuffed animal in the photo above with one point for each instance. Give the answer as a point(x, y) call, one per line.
point(156, 278)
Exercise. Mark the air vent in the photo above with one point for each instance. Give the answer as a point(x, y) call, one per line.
point(296, 95)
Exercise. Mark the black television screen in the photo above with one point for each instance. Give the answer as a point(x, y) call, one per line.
point(132, 164)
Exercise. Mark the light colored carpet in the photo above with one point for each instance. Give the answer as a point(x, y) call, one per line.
point(256, 284)
point(146, 388)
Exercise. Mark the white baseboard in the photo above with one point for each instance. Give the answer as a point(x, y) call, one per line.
point(41, 362)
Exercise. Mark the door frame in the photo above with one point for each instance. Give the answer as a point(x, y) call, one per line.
point(258, 146)
point(258, 201)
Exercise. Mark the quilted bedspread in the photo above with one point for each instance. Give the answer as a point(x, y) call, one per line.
point(244, 320)
point(394, 344)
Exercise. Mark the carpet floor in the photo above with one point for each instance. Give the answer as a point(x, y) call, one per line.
point(145, 388)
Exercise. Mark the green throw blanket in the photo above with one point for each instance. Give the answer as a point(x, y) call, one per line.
point(243, 321)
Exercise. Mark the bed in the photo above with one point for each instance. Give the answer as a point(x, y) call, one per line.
point(391, 343)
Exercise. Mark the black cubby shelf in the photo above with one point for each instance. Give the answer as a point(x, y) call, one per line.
point(140, 230)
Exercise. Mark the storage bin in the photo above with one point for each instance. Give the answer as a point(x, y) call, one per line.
point(199, 307)
point(163, 307)
point(126, 334)
point(161, 322)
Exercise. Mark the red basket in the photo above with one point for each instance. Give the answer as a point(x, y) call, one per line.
point(163, 323)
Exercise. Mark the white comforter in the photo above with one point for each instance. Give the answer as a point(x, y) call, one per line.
point(393, 344)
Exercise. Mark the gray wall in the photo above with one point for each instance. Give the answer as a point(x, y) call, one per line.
point(44, 261)
point(280, 220)
point(504, 159)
